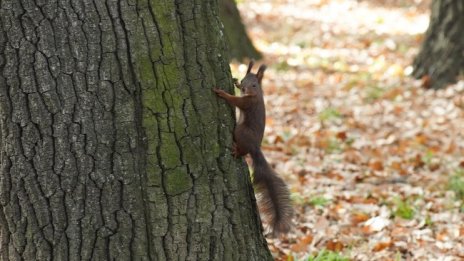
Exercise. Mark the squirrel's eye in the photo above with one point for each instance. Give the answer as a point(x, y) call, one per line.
point(254, 85)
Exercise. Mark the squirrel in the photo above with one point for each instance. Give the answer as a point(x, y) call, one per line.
point(273, 194)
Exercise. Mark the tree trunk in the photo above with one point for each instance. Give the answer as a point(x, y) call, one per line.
point(112, 144)
point(441, 58)
point(239, 44)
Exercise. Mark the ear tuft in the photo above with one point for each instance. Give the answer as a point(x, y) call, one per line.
point(260, 72)
point(250, 65)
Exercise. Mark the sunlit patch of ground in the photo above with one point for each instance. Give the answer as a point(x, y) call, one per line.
point(374, 161)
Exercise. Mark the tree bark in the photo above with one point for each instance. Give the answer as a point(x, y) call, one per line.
point(239, 44)
point(112, 145)
point(441, 58)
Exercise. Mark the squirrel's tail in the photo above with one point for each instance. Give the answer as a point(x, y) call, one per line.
point(273, 195)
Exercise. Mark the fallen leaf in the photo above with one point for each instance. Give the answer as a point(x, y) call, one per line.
point(334, 245)
point(322, 224)
point(342, 135)
point(381, 246)
point(442, 235)
point(376, 165)
point(376, 224)
point(302, 244)
point(358, 217)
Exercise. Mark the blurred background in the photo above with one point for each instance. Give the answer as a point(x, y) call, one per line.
point(364, 122)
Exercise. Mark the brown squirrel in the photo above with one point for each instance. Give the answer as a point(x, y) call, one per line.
point(274, 200)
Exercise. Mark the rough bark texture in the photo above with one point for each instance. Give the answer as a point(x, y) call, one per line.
point(442, 55)
point(111, 147)
point(239, 44)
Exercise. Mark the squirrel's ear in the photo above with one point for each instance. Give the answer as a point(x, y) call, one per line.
point(250, 65)
point(260, 72)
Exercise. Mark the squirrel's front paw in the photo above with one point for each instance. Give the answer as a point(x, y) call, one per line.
point(236, 82)
point(220, 92)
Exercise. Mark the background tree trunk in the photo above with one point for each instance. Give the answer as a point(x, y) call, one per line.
point(239, 44)
point(442, 55)
point(112, 143)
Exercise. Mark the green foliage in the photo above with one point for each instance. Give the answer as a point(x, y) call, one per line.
point(349, 141)
point(329, 114)
point(403, 209)
point(456, 183)
point(428, 221)
point(427, 158)
point(315, 201)
point(282, 66)
point(286, 135)
point(297, 198)
point(374, 93)
point(319, 201)
point(333, 146)
point(302, 44)
point(326, 255)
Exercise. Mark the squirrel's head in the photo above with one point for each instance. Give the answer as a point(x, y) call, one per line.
point(251, 84)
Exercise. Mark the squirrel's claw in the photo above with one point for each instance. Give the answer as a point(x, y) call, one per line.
point(219, 92)
point(235, 151)
point(236, 82)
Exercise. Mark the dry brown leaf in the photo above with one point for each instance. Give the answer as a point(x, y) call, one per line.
point(381, 246)
point(359, 217)
point(376, 165)
point(391, 94)
point(342, 135)
point(278, 139)
point(398, 166)
point(269, 121)
point(321, 224)
point(300, 140)
point(417, 161)
point(367, 230)
point(434, 167)
point(332, 174)
point(362, 200)
point(421, 139)
point(442, 235)
point(353, 156)
point(302, 244)
point(334, 245)
point(398, 110)
point(451, 148)
point(400, 232)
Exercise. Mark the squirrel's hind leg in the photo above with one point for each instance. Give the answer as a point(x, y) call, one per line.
point(236, 152)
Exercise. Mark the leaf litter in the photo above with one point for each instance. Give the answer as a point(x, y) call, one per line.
point(373, 159)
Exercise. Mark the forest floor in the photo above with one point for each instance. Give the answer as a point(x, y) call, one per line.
point(374, 160)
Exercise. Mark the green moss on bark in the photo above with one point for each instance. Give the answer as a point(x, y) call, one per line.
point(177, 181)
